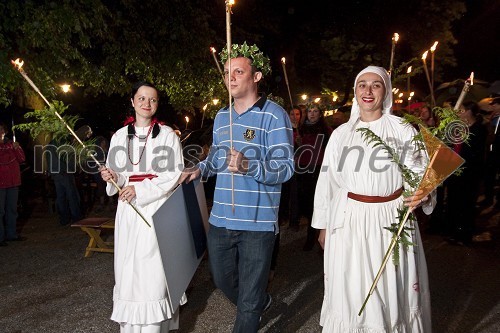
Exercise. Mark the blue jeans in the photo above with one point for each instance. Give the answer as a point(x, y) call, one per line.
point(8, 212)
point(67, 198)
point(240, 261)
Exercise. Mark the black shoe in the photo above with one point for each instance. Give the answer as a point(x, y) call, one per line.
point(3, 243)
point(17, 239)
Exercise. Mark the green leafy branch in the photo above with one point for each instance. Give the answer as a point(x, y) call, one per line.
point(445, 118)
point(403, 239)
point(45, 122)
point(409, 176)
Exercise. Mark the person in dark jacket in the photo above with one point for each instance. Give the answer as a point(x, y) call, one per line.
point(311, 141)
point(463, 189)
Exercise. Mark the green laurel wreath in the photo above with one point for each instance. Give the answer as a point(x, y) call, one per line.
point(259, 60)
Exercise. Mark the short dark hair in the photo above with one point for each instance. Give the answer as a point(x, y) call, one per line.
point(469, 105)
point(139, 84)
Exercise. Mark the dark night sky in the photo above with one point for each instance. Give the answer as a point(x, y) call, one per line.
point(478, 35)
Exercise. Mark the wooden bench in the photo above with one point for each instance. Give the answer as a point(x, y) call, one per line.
point(93, 226)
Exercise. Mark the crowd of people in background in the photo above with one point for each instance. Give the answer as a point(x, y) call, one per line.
point(78, 194)
point(458, 199)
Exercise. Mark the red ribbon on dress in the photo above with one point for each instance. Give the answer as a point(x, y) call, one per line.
point(131, 119)
point(140, 178)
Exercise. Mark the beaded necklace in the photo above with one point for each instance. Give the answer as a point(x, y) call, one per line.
point(143, 149)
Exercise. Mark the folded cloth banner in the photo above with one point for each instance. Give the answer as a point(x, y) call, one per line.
point(195, 218)
point(175, 240)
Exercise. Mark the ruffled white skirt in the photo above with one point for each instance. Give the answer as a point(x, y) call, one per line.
point(353, 255)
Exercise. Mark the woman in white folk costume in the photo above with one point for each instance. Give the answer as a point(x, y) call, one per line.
point(145, 160)
point(358, 195)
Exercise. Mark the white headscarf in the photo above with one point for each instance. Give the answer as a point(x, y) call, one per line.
point(386, 106)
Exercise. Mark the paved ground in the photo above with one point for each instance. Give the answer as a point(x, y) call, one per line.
point(47, 286)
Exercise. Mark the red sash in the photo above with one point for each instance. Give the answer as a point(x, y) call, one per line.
point(140, 178)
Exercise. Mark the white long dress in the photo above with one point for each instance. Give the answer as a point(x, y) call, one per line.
point(356, 240)
point(140, 294)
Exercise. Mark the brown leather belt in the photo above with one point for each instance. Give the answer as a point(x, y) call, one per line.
point(374, 198)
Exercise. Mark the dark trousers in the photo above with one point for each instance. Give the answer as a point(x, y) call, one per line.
point(462, 192)
point(239, 262)
point(293, 188)
point(67, 198)
point(307, 187)
point(8, 212)
point(490, 177)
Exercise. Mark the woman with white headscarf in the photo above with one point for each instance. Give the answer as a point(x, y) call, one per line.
point(358, 194)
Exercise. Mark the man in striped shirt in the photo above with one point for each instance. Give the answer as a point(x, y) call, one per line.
point(243, 221)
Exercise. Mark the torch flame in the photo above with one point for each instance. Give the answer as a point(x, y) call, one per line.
point(424, 56)
point(408, 71)
point(187, 119)
point(433, 47)
point(395, 37)
point(229, 2)
point(205, 107)
point(471, 78)
point(212, 49)
point(283, 60)
point(18, 63)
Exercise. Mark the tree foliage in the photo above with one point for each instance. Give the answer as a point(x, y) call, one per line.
point(104, 46)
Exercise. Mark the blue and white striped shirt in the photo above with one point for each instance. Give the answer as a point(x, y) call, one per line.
point(263, 134)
